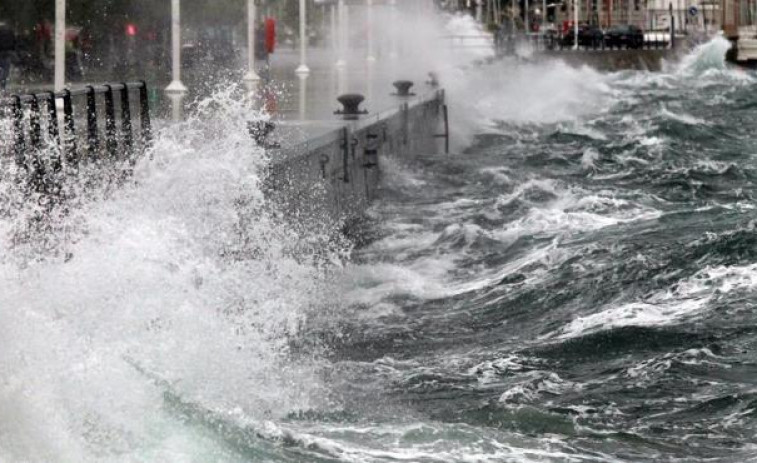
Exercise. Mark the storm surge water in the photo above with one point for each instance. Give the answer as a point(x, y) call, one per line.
point(135, 322)
point(577, 284)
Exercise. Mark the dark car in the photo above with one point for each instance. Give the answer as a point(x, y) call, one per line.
point(624, 36)
point(588, 36)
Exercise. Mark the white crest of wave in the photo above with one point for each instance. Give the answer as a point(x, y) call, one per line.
point(515, 92)
point(185, 273)
point(690, 298)
point(707, 56)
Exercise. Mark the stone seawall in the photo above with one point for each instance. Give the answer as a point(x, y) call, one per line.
point(332, 178)
point(613, 60)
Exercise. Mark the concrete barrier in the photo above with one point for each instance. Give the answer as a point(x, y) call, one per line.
point(332, 178)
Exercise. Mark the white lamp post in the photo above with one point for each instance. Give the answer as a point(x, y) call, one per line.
point(303, 77)
point(369, 6)
point(334, 31)
point(303, 67)
point(176, 86)
point(393, 31)
point(525, 18)
point(60, 45)
point(341, 62)
point(251, 76)
point(575, 23)
point(543, 15)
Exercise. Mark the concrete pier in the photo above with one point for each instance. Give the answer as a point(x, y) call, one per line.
point(327, 169)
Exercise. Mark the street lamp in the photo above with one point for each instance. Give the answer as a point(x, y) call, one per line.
point(60, 45)
point(341, 62)
point(525, 17)
point(251, 77)
point(576, 5)
point(393, 31)
point(176, 86)
point(369, 14)
point(303, 69)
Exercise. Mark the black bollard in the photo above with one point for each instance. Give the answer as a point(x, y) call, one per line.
point(403, 88)
point(350, 106)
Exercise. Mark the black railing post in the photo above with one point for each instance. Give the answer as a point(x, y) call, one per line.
point(35, 134)
point(111, 144)
point(126, 120)
point(144, 114)
point(93, 137)
point(54, 132)
point(52, 114)
point(69, 131)
point(19, 142)
point(37, 181)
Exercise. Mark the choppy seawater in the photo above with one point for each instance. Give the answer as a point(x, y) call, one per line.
point(577, 284)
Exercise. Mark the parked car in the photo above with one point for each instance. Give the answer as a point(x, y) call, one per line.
point(624, 36)
point(589, 35)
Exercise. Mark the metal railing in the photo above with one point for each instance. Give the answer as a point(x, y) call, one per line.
point(566, 42)
point(469, 40)
point(46, 145)
point(31, 112)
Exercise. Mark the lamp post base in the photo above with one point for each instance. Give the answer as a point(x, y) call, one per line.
point(176, 87)
point(251, 76)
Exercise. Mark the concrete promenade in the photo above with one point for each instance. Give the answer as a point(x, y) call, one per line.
point(327, 169)
point(303, 109)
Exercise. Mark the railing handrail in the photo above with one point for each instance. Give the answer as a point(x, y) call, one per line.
point(98, 89)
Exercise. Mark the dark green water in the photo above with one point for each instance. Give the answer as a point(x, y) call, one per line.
point(579, 289)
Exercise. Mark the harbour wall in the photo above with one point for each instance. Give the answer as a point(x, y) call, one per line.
point(613, 60)
point(332, 178)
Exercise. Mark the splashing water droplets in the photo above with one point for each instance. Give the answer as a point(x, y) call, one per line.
point(181, 279)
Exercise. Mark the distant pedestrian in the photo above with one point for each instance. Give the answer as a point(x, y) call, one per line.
point(7, 51)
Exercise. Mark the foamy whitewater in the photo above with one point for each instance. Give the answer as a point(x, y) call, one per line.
point(575, 283)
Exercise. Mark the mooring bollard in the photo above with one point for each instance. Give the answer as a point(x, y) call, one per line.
point(403, 88)
point(350, 106)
